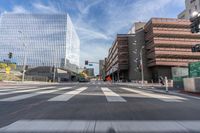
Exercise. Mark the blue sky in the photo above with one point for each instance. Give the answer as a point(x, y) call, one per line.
point(98, 21)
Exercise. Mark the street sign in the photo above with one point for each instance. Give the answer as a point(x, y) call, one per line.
point(194, 69)
point(8, 70)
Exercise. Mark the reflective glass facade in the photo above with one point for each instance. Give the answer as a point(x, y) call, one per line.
point(44, 39)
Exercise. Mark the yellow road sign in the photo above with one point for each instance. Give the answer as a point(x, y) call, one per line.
point(8, 70)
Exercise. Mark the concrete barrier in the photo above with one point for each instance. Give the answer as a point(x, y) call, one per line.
point(192, 84)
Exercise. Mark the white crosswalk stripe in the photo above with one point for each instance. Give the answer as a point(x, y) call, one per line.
point(21, 97)
point(26, 90)
point(112, 96)
point(68, 95)
point(162, 97)
point(7, 87)
point(15, 88)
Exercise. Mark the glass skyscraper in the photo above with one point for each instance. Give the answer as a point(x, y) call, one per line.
point(40, 39)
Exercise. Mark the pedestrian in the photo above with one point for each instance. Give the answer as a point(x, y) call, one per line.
point(161, 80)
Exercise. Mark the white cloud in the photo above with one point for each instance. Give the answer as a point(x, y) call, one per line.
point(50, 8)
point(91, 34)
point(119, 20)
point(19, 9)
point(85, 8)
point(141, 10)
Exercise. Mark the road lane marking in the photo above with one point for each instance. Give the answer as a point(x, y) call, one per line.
point(125, 126)
point(68, 95)
point(25, 96)
point(162, 97)
point(112, 96)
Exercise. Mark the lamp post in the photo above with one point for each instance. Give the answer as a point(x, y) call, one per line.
point(24, 62)
point(141, 62)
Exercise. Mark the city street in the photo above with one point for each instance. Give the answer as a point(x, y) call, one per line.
point(94, 107)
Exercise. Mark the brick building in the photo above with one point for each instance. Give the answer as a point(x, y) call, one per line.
point(168, 44)
point(117, 62)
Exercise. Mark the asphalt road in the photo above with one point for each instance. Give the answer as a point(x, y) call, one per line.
point(94, 107)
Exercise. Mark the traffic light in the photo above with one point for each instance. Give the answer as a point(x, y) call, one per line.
point(193, 49)
point(195, 23)
point(196, 48)
point(86, 62)
point(10, 55)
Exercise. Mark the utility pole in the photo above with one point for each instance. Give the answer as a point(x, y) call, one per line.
point(24, 66)
point(54, 67)
point(25, 58)
point(141, 63)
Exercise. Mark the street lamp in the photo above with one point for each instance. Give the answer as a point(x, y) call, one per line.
point(24, 62)
point(141, 62)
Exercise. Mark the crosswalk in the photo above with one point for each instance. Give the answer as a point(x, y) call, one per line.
point(165, 98)
point(66, 93)
point(112, 96)
point(25, 90)
point(24, 96)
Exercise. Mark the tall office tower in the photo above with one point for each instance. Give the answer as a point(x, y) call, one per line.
point(40, 39)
